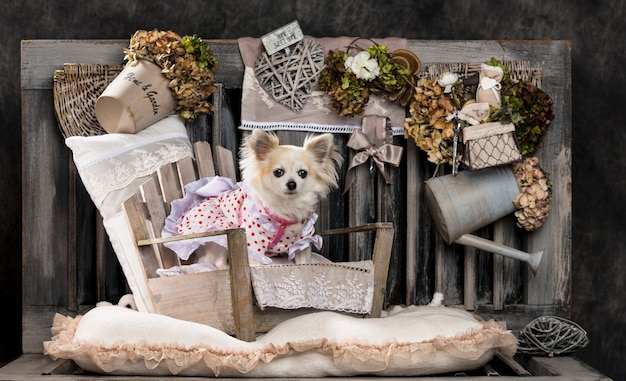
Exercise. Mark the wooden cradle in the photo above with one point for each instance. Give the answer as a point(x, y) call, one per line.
point(223, 298)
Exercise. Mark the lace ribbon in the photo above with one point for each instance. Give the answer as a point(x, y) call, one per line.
point(109, 174)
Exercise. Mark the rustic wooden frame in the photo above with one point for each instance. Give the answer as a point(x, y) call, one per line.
point(50, 249)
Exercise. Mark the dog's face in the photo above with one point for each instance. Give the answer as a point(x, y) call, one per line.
point(287, 176)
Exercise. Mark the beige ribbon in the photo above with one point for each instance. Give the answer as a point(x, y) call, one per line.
point(381, 153)
point(474, 113)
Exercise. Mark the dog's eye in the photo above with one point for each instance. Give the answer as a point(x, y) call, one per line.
point(278, 172)
point(302, 173)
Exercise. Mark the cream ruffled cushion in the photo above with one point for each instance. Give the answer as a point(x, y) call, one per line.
point(412, 342)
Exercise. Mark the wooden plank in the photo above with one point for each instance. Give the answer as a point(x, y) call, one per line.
point(506, 271)
point(72, 287)
point(517, 316)
point(332, 212)
point(204, 159)
point(413, 192)
point(469, 278)
point(241, 285)
point(186, 172)
point(225, 131)
point(564, 366)
point(381, 255)
point(137, 214)
point(40, 58)
point(392, 208)
point(169, 184)
point(202, 298)
point(157, 213)
point(101, 273)
point(37, 324)
point(362, 205)
point(216, 120)
point(45, 204)
point(39, 367)
point(226, 163)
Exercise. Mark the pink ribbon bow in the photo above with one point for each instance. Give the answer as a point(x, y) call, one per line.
point(378, 151)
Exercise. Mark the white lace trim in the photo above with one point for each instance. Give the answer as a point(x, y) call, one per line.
point(129, 147)
point(113, 172)
point(309, 127)
point(258, 105)
point(346, 287)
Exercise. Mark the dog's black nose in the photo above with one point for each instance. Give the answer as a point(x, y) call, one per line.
point(291, 185)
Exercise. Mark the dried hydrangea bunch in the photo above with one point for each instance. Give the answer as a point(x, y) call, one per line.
point(349, 94)
point(431, 121)
point(530, 109)
point(186, 61)
point(349, 80)
point(533, 201)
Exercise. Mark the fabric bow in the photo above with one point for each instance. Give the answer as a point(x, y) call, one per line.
point(474, 113)
point(379, 153)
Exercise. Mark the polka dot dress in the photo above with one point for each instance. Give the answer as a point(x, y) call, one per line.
point(265, 233)
point(213, 213)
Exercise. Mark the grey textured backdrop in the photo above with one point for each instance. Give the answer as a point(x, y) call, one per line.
point(595, 28)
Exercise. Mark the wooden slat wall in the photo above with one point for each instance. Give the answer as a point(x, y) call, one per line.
point(57, 256)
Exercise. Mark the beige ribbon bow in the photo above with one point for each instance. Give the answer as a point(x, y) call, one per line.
point(379, 151)
point(474, 113)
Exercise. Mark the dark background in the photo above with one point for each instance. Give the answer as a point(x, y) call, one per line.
point(595, 28)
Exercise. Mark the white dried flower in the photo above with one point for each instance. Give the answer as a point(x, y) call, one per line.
point(447, 80)
point(363, 66)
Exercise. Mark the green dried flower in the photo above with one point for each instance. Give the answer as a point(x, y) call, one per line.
point(350, 91)
point(530, 109)
point(392, 76)
point(349, 94)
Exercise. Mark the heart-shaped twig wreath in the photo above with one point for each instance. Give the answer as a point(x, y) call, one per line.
point(289, 77)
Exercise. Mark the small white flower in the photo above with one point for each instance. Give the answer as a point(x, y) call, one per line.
point(363, 66)
point(447, 80)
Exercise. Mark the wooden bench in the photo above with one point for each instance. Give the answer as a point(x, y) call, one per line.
point(68, 266)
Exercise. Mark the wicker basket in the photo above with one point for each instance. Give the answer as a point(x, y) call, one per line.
point(518, 71)
point(76, 89)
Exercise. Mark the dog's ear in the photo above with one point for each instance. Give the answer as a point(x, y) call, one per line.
point(261, 143)
point(321, 146)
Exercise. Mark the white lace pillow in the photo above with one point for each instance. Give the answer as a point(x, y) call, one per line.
point(113, 166)
point(415, 341)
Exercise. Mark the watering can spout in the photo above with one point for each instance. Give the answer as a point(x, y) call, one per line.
point(532, 260)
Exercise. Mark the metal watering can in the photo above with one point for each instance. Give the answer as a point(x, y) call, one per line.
point(467, 201)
